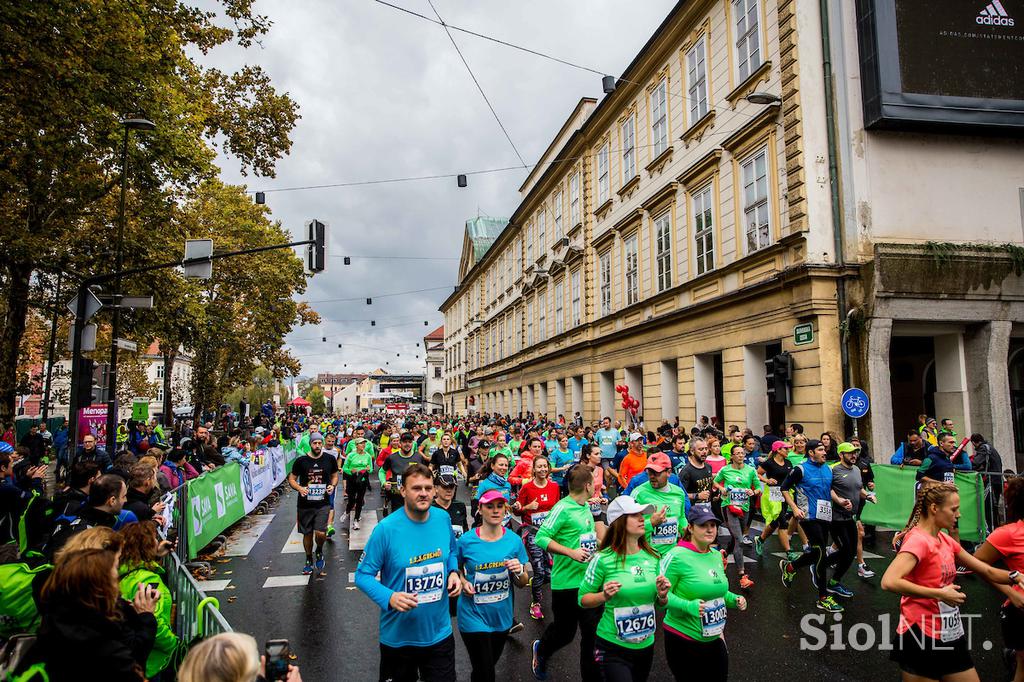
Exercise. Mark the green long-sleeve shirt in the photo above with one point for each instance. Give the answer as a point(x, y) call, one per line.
point(696, 577)
point(166, 641)
point(358, 462)
point(571, 525)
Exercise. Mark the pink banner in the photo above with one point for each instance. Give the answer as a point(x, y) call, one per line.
point(93, 420)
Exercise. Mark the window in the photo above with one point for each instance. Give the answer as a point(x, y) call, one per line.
point(559, 307)
point(659, 117)
point(556, 214)
point(663, 249)
point(160, 371)
point(697, 80)
point(542, 226)
point(605, 268)
point(629, 265)
point(575, 286)
point(755, 201)
point(501, 340)
point(542, 317)
point(602, 174)
point(628, 150)
point(529, 323)
point(574, 200)
point(528, 239)
point(517, 335)
point(501, 274)
point(703, 230)
point(748, 37)
point(437, 372)
point(508, 334)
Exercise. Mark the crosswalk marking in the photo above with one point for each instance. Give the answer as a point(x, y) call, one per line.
point(242, 542)
point(357, 538)
point(214, 585)
point(867, 555)
point(286, 581)
point(294, 543)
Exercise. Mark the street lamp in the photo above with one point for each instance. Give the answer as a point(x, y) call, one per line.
point(142, 125)
point(765, 98)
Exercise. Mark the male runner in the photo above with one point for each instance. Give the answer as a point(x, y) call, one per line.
point(314, 477)
point(392, 469)
point(330, 451)
point(413, 550)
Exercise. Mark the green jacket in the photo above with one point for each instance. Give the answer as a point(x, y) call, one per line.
point(166, 641)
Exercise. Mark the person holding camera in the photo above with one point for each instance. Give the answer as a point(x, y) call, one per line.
point(314, 477)
point(234, 657)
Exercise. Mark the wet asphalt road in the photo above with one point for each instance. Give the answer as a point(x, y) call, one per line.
point(332, 626)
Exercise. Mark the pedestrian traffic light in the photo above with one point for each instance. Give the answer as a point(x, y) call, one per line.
point(83, 383)
point(778, 373)
point(316, 252)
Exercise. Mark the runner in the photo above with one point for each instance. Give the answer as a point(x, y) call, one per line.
point(847, 493)
point(414, 551)
point(738, 482)
point(930, 642)
point(697, 602)
point(314, 477)
point(536, 498)
point(669, 504)
point(494, 476)
point(357, 469)
point(493, 560)
point(1006, 544)
point(777, 514)
point(623, 583)
point(444, 498)
point(392, 469)
point(813, 508)
point(568, 533)
point(447, 460)
point(599, 501)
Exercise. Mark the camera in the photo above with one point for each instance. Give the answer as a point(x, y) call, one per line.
point(278, 654)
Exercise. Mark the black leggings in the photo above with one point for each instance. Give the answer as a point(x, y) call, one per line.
point(845, 534)
point(622, 664)
point(355, 492)
point(817, 538)
point(484, 651)
point(539, 560)
point(567, 615)
point(689, 659)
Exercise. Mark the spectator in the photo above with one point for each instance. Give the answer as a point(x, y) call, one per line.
point(205, 451)
point(107, 496)
point(140, 567)
point(228, 657)
point(140, 494)
point(916, 449)
point(88, 631)
point(989, 464)
point(71, 499)
point(35, 444)
point(177, 469)
point(14, 497)
point(123, 464)
point(8, 436)
point(90, 452)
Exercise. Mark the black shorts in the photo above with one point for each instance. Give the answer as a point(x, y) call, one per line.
point(1012, 620)
point(434, 663)
point(924, 656)
point(313, 519)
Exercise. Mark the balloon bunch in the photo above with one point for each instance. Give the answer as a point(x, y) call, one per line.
point(629, 403)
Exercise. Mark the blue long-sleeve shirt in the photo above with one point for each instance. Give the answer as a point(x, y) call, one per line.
point(415, 557)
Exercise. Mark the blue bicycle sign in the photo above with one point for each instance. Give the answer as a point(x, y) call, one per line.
point(855, 403)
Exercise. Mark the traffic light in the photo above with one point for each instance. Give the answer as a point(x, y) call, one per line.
point(778, 373)
point(83, 383)
point(316, 253)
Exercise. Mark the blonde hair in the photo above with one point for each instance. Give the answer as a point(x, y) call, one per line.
point(98, 537)
point(228, 657)
point(928, 494)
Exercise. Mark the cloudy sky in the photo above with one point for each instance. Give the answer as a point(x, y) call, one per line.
point(383, 94)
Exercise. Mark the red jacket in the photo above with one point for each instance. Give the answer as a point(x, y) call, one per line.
point(523, 470)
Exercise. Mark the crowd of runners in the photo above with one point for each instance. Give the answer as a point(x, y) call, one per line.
point(611, 530)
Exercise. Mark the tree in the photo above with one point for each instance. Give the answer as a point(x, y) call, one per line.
point(70, 70)
point(261, 388)
point(133, 380)
point(315, 396)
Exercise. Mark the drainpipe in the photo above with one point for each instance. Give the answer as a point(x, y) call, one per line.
point(833, 178)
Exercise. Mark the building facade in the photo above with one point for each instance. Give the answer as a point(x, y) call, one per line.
point(700, 220)
point(434, 382)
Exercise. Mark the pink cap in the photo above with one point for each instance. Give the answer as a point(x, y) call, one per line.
point(659, 462)
point(780, 445)
point(492, 495)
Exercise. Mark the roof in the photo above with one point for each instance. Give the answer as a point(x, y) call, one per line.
point(482, 231)
point(436, 335)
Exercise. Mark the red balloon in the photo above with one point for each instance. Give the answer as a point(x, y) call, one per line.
point(625, 404)
point(634, 403)
point(621, 389)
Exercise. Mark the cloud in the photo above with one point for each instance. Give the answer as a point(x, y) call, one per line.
point(383, 94)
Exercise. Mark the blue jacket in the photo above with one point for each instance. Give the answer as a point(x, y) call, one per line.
point(938, 467)
point(494, 482)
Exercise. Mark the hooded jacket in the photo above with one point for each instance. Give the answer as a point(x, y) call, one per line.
point(938, 467)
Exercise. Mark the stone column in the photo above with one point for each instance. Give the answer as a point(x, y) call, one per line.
point(951, 398)
point(987, 349)
point(883, 438)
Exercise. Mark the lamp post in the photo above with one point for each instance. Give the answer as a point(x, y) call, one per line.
point(140, 124)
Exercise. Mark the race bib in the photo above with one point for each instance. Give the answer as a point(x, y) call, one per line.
point(951, 628)
point(491, 588)
point(823, 510)
point(634, 623)
point(446, 470)
point(712, 620)
point(316, 492)
point(426, 582)
point(458, 531)
point(666, 533)
point(588, 542)
point(775, 494)
point(537, 518)
point(738, 496)
point(948, 477)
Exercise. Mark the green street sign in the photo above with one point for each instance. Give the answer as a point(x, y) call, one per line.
point(803, 334)
point(140, 410)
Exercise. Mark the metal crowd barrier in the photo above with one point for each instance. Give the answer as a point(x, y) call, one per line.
point(196, 615)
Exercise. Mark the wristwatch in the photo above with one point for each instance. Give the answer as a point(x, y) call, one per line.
point(1013, 576)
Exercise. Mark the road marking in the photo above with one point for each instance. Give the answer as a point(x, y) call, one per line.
point(242, 542)
point(286, 581)
point(214, 585)
point(352, 577)
point(746, 560)
point(867, 555)
point(357, 538)
point(294, 543)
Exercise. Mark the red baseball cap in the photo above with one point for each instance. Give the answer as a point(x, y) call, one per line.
point(780, 445)
point(659, 462)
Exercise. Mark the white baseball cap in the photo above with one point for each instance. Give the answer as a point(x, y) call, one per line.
point(623, 505)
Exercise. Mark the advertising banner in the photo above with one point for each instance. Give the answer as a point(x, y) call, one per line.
point(92, 421)
point(214, 503)
point(895, 488)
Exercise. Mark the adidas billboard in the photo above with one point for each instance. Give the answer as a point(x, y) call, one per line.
point(994, 15)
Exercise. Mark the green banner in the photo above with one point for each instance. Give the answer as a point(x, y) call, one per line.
point(214, 503)
point(895, 488)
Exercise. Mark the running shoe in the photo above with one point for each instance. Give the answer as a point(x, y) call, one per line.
point(829, 604)
point(320, 563)
point(758, 545)
point(725, 558)
point(746, 540)
point(793, 555)
point(308, 568)
point(536, 612)
point(788, 574)
point(745, 582)
point(839, 589)
point(864, 572)
point(539, 666)
point(807, 548)
point(343, 520)
point(516, 627)
point(330, 531)
point(355, 524)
